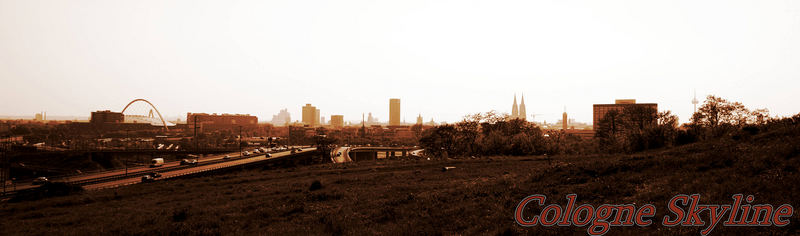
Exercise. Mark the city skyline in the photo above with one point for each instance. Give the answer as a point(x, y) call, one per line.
point(235, 58)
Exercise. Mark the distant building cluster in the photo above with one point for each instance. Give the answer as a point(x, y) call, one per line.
point(282, 118)
point(214, 121)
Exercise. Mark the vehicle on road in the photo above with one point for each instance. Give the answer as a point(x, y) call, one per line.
point(156, 162)
point(245, 153)
point(147, 178)
point(150, 177)
point(339, 154)
point(40, 181)
point(189, 162)
point(269, 155)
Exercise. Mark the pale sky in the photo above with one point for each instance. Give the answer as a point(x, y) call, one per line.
point(443, 59)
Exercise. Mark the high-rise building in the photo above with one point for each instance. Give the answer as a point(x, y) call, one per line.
point(419, 119)
point(309, 114)
point(522, 108)
point(282, 118)
point(322, 120)
point(394, 111)
point(317, 120)
point(337, 121)
point(564, 121)
point(600, 110)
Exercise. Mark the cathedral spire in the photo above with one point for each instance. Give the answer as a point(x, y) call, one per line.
point(514, 111)
point(522, 114)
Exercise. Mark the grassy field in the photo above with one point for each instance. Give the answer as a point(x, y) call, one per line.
point(417, 197)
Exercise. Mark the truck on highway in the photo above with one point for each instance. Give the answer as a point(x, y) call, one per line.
point(156, 162)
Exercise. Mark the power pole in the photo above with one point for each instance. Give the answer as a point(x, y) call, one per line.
point(4, 168)
point(196, 146)
point(240, 140)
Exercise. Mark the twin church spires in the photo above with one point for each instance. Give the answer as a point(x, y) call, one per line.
point(518, 112)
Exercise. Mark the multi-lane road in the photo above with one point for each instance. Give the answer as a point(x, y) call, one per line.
point(170, 173)
point(114, 178)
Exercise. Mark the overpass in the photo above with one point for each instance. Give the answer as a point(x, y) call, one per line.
point(350, 154)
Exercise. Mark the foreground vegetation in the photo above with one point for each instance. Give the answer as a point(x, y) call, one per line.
point(417, 197)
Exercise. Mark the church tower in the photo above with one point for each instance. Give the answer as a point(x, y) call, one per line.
point(514, 111)
point(522, 114)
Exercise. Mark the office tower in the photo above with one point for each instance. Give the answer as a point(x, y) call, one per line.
point(394, 111)
point(309, 114)
point(419, 119)
point(337, 121)
point(317, 121)
point(600, 110)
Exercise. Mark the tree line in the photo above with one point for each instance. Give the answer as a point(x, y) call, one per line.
point(631, 129)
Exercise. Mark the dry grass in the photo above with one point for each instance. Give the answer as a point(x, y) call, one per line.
point(417, 197)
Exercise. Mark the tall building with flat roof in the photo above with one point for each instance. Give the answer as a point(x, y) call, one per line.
point(337, 121)
point(394, 111)
point(310, 114)
point(317, 119)
point(600, 110)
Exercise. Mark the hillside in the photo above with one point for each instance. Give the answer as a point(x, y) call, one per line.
point(417, 197)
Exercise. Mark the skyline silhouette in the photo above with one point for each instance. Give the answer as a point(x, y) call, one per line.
point(252, 57)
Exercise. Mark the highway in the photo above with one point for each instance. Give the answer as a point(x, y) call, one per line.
point(105, 178)
point(195, 169)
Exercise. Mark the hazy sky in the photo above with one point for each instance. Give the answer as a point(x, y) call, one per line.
point(443, 59)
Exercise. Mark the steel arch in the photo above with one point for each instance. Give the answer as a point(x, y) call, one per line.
point(151, 105)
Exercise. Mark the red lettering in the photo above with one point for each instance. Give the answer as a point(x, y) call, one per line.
point(518, 216)
point(673, 207)
point(782, 211)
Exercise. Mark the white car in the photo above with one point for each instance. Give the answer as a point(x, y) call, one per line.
point(245, 153)
point(226, 157)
